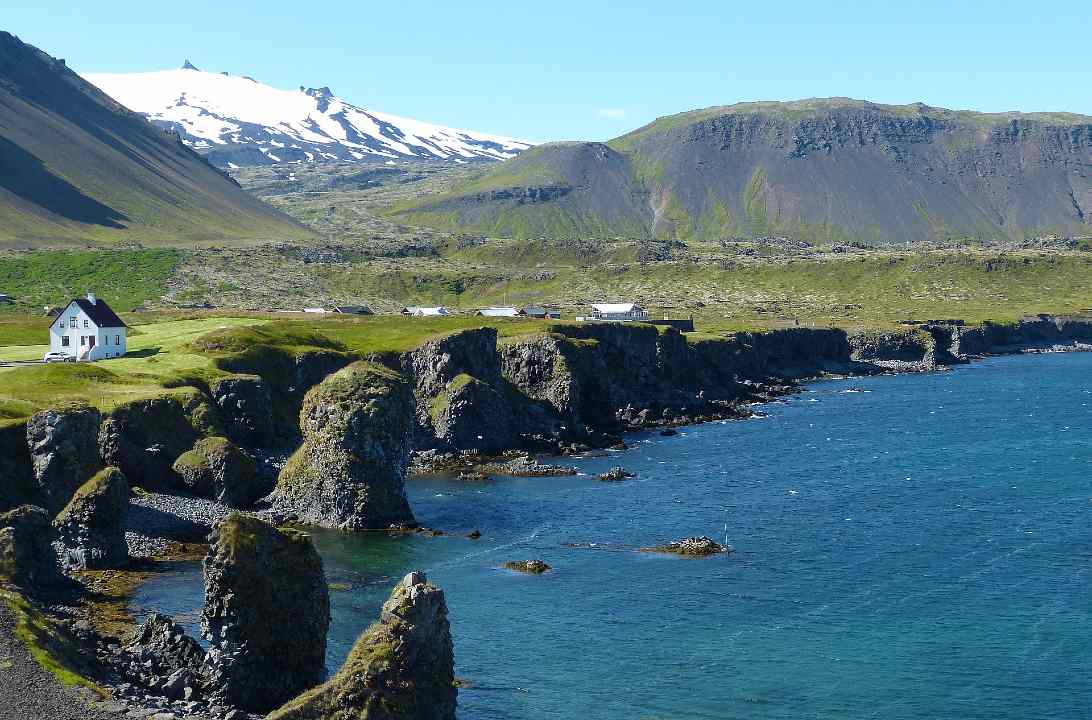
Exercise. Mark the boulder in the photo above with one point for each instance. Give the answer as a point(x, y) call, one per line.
point(145, 437)
point(401, 668)
point(63, 451)
point(266, 613)
point(219, 469)
point(91, 528)
point(26, 550)
point(246, 407)
point(350, 470)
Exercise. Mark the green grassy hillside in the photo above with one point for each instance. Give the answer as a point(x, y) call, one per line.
point(825, 171)
point(77, 168)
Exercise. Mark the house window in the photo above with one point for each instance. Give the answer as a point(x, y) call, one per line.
point(62, 324)
point(73, 321)
point(117, 339)
point(85, 323)
point(83, 340)
point(65, 341)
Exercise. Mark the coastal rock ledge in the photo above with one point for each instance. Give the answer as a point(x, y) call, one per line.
point(350, 472)
point(691, 547)
point(401, 668)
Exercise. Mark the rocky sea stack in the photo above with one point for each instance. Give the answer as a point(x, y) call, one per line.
point(350, 471)
point(267, 610)
point(401, 668)
point(91, 528)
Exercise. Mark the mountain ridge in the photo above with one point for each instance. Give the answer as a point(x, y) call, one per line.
point(77, 167)
point(826, 170)
point(237, 121)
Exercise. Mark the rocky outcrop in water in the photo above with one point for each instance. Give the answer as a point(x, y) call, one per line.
point(26, 550)
point(217, 468)
point(246, 408)
point(145, 437)
point(401, 668)
point(91, 528)
point(690, 547)
point(266, 614)
point(615, 474)
point(528, 567)
point(350, 471)
point(63, 451)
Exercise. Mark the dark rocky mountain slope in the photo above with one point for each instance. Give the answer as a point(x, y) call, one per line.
point(832, 170)
point(77, 167)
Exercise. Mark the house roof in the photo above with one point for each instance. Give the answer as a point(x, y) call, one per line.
point(499, 312)
point(615, 307)
point(415, 310)
point(100, 313)
point(353, 309)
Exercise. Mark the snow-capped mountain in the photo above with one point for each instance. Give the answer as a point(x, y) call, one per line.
point(238, 121)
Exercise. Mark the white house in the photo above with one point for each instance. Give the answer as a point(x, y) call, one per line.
point(415, 311)
point(88, 330)
point(631, 312)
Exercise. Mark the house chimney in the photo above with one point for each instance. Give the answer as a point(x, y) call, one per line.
point(91, 298)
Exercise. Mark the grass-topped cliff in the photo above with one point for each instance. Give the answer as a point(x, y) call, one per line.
point(829, 170)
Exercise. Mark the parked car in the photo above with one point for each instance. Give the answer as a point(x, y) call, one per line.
point(56, 356)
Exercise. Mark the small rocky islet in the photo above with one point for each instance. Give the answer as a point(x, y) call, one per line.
point(85, 492)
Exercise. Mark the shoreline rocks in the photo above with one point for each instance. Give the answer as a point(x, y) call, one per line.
point(526, 467)
point(266, 614)
point(690, 547)
point(401, 668)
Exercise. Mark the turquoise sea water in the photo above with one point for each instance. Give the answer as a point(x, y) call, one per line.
point(921, 549)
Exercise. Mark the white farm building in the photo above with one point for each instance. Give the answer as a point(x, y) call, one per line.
point(624, 312)
point(87, 329)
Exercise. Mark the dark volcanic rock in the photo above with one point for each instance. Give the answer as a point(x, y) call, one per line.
point(26, 550)
point(615, 474)
point(17, 483)
point(462, 400)
point(266, 613)
point(145, 437)
point(91, 528)
point(530, 567)
point(219, 469)
point(163, 657)
point(527, 467)
point(246, 408)
point(63, 451)
point(350, 471)
point(691, 547)
point(401, 668)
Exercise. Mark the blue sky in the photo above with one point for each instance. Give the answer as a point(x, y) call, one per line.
point(591, 70)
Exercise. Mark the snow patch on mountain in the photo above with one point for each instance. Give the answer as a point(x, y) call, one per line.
point(238, 121)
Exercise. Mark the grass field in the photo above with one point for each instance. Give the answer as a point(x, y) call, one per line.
point(157, 352)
